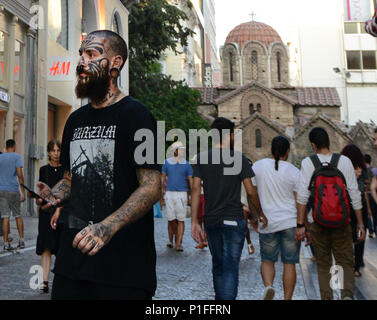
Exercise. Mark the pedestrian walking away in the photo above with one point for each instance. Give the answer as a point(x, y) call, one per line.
point(48, 236)
point(373, 186)
point(178, 173)
point(11, 180)
point(107, 248)
point(353, 153)
point(277, 184)
point(371, 173)
point(224, 223)
point(331, 230)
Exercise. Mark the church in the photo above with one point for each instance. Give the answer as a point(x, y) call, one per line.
point(257, 96)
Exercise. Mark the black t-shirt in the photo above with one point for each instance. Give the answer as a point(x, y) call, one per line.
point(51, 175)
point(222, 192)
point(98, 149)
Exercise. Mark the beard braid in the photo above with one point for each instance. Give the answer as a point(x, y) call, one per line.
point(97, 86)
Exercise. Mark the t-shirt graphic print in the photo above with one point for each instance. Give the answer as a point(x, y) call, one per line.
point(92, 168)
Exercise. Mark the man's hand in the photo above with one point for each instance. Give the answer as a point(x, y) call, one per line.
point(360, 233)
point(300, 234)
point(308, 237)
point(254, 224)
point(91, 239)
point(198, 233)
point(263, 219)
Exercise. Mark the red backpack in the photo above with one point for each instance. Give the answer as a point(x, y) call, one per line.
point(329, 196)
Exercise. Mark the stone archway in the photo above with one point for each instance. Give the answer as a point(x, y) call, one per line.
point(257, 101)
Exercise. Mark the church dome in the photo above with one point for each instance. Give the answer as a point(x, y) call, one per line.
point(253, 31)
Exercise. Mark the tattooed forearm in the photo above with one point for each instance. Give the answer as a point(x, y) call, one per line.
point(142, 200)
point(62, 189)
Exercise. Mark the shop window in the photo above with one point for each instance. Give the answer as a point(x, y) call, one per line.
point(18, 66)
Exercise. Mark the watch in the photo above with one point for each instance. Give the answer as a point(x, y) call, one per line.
point(299, 225)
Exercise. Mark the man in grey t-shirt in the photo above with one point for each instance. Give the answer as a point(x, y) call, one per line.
point(10, 197)
point(224, 222)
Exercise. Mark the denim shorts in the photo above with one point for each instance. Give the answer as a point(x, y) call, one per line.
point(282, 241)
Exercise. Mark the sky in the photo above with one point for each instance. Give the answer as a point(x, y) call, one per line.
point(282, 15)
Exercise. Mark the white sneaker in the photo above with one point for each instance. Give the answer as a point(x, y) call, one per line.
point(269, 293)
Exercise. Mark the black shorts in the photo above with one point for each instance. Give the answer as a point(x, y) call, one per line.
point(67, 289)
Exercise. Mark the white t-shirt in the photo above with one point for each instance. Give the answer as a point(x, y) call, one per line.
point(344, 165)
point(275, 190)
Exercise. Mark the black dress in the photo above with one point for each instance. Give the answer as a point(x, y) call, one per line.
point(48, 237)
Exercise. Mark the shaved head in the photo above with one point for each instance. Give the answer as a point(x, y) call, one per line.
point(115, 45)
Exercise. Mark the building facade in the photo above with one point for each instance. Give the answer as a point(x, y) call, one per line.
point(338, 53)
point(39, 43)
point(18, 81)
point(257, 95)
point(198, 64)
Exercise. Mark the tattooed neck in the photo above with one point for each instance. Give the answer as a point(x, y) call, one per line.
point(112, 97)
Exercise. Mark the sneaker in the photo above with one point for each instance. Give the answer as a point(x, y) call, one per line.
point(44, 287)
point(8, 247)
point(21, 245)
point(269, 293)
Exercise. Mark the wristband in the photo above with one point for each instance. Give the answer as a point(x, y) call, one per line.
point(299, 225)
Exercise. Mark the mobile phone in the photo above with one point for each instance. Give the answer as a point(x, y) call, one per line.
point(36, 195)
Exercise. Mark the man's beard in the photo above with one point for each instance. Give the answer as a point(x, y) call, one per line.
point(94, 87)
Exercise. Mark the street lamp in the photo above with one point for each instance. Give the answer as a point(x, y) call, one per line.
point(345, 75)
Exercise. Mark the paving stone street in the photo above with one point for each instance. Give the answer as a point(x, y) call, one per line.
point(185, 275)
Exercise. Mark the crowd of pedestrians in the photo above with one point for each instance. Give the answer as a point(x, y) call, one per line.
point(98, 219)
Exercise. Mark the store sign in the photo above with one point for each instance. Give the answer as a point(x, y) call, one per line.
point(4, 96)
point(357, 10)
point(60, 69)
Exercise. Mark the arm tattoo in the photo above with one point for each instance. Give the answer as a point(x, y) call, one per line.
point(62, 189)
point(142, 200)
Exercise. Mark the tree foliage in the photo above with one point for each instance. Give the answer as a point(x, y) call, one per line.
point(154, 27)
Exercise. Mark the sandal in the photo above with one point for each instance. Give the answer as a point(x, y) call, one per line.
point(357, 273)
point(169, 245)
point(44, 287)
point(179, 248)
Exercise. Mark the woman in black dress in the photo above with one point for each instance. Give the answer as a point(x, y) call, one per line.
point(47, 241)
point(357, 158)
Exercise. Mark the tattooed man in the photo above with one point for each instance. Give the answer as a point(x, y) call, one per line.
point(107, 248)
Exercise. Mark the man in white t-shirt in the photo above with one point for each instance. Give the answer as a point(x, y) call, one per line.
point(277, 183)
point(330, 241)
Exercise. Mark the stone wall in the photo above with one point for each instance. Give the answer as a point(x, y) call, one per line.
point(331, 112)
point(301, 146)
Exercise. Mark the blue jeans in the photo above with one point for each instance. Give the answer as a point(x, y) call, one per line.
point(157, 210)
point(225, 244)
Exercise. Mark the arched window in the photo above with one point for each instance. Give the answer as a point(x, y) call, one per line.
point(258, 138)
point(231, 66)
point(259, 108)
point(254, 65)
point(116, 25)
point(278, 58)
point(251, 108)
